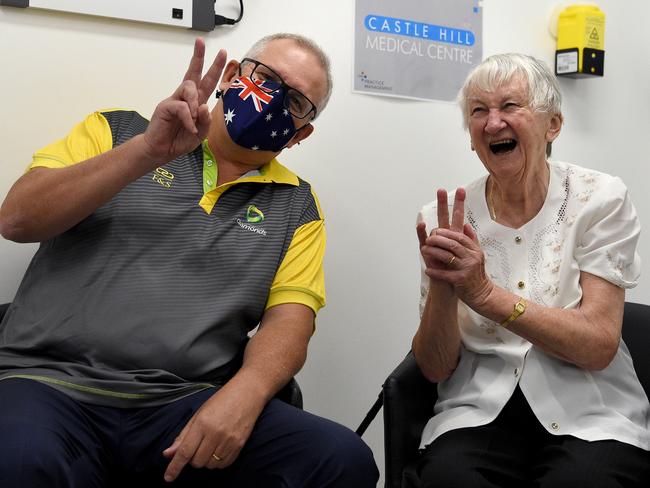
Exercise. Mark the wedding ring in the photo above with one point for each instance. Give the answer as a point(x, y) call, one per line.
point(451, 260)
point(216, 457)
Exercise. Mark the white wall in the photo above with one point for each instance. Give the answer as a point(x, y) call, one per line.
point(374, 161)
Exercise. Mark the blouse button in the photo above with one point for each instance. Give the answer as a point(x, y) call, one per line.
point(209, 162)
point(518, 239)
point(209, 182)
point(521, 285)
point(555, 426)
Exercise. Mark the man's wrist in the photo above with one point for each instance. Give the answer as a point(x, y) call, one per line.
point(144, 153)
point(252, 397)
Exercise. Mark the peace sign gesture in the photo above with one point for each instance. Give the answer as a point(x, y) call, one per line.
point(434, 258)
point(181, 122)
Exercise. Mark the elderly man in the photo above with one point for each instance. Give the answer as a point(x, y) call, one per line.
point(163, 244)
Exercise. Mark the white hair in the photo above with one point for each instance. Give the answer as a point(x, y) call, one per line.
point(543, 89)
point(305, 43)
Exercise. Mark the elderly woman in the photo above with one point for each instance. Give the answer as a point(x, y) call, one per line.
point(522, 303)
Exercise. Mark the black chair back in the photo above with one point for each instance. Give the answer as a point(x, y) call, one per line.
point(409, 397)
point(636, 335)
point(3, 309)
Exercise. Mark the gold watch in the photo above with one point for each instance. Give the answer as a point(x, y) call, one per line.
point(520, 308)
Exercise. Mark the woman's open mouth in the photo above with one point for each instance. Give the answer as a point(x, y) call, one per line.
point(503, 146)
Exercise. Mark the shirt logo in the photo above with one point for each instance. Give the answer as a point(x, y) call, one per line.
point(163, 177)
point(254, 214)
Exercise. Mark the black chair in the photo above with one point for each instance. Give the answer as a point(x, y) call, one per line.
point(290, 394)
point(409, 398)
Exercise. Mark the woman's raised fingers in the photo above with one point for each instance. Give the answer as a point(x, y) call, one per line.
point(443, 209)
point(458, 213)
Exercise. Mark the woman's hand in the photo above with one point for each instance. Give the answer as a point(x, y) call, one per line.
point(464, 264)
point(430, 255)
point(452, 253)
point(436, 345)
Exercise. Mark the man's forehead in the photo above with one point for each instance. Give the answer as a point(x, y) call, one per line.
point(297, 65)
point(283, 53)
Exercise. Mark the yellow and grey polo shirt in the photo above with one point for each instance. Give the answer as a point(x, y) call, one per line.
point(152, 296)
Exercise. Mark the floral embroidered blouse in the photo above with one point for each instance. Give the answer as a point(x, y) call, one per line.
point(587, 223)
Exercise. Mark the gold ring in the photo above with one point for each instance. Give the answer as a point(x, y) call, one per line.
point(216, 457)
point(451, 261)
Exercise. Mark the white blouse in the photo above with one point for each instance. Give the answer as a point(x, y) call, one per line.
point(587, 223)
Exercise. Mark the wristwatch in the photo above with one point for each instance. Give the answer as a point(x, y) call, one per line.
point(520, 308)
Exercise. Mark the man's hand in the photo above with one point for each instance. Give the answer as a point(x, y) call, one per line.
point(181, 122)
point(225, 422)
point(221, 427)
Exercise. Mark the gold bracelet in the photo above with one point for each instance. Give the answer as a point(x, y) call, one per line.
point(520, 308)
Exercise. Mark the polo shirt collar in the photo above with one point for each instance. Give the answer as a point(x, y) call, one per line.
point(271, 172)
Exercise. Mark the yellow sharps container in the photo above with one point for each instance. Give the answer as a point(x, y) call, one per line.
point(580, 41)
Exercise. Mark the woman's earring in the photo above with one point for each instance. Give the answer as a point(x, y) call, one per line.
point(218, 94)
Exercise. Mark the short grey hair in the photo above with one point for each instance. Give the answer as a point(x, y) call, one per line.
point(543, 89)
point(307, 44)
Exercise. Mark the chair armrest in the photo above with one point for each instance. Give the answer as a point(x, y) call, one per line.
point(291, 394)
point(409, 399)
point(636, 334)
point(3, 309)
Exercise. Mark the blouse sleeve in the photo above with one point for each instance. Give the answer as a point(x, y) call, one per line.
point(608, 246)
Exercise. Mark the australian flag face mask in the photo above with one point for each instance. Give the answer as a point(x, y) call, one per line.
point(255, 116)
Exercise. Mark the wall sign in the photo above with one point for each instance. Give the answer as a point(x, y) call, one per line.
point(420, 49)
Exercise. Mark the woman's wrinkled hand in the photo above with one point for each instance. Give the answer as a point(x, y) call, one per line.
point(432, 258)
point(452, 254)
point(464, 264)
